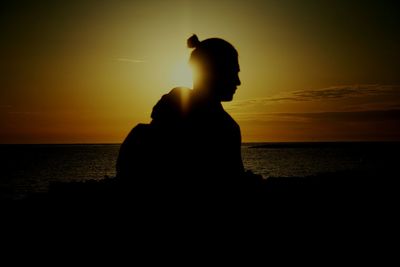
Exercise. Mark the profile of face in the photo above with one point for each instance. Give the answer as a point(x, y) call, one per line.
point(225, 80)
point(216, 68)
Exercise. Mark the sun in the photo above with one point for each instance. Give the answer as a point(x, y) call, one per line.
point(181, 74)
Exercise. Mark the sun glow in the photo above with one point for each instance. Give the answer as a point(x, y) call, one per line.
point(181, 74)
point(79, 72)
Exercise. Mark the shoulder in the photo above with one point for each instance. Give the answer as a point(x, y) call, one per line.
point(176, 95)
point(179, 91)
point(138, 133)
point(171, 105)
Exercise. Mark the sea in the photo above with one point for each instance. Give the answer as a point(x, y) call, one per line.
point(29, 169)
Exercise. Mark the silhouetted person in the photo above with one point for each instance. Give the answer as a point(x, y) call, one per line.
point(191, 142)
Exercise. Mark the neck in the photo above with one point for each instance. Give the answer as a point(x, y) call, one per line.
point(206, 94)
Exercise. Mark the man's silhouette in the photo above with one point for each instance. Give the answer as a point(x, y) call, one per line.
point(191, 142)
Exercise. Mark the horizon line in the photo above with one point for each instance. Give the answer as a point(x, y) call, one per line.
point(249, 142)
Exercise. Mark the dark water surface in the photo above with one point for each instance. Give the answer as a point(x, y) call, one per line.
point(30, 168)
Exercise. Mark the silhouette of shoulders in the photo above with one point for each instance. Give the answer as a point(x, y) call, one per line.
point(186, 137)
point(190, 137)
point(171, 108)
point(184, 107)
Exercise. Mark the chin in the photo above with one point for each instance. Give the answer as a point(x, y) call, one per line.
point(226, 98)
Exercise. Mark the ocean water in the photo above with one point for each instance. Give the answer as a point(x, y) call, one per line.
point(30, 168)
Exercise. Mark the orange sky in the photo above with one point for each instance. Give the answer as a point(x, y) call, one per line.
point(88, 71)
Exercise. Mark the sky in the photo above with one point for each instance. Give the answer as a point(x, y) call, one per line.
point(88, 71)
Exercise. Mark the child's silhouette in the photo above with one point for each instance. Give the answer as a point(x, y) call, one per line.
point(191, 137)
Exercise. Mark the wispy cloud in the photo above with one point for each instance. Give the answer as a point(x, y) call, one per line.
point(129, 60)
point(350, 116)
point(346, 91)
point(392, 115)
point(392, 92)
point(340, 104)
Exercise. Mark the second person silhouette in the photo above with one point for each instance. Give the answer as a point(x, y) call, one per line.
point(191, 142)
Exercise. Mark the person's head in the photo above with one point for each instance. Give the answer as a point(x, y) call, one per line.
point(216, 67)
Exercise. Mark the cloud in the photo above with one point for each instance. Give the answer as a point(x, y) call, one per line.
point(130, 60)
point(346, 91)
point(349, 116)
point(334, 92)
point(371, 116)
point(342, 112)
point(335, 98)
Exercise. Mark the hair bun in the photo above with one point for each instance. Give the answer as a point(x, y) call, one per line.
point(193, 41)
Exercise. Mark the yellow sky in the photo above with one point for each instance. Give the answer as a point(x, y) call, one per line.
point(88, 71)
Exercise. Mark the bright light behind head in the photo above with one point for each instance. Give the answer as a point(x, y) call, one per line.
point(181, 74)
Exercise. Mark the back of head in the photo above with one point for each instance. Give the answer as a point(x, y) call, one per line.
point(216, 66)
point(213, 52)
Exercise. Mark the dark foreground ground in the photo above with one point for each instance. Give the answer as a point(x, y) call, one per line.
point(334, 214)
point(350, 191)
